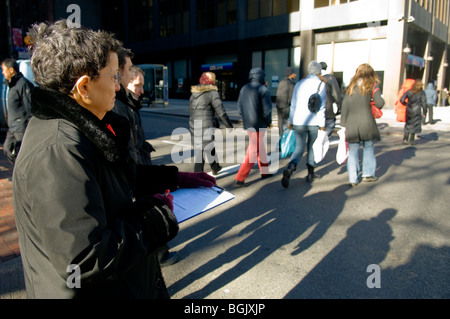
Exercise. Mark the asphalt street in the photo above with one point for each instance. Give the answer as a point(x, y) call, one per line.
point(388, 239)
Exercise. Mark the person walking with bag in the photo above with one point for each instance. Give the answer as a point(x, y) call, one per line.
point(360, 125)
point(417, 101)
point(305, 122)
point(284, 95)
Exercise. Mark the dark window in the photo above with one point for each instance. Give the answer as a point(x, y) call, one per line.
point(215, 13)
point(292, 6)
point(321, 3)
point(173, 17)
point(259, 9)
point(140, 17)
point(252, 9)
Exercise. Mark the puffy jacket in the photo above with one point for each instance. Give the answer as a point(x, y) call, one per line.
point(204, 105)
point(414, 102)
point(254, 102)
point(431, 94)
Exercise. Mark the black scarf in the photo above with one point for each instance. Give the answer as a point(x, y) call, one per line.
point(50, 104)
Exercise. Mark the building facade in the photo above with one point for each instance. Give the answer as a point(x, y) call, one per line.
point(399, 38)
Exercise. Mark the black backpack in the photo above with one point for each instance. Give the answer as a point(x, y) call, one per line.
point(314, 101)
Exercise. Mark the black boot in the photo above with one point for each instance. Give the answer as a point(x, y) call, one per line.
point(311, 175)
point(405, 138)
point(287, 174)
point(411, 139)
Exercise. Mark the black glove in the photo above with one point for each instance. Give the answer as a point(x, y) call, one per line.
point(158, 221)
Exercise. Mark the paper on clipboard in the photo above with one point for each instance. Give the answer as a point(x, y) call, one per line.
point(189, 202)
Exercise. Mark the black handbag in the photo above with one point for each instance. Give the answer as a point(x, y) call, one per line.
point(314, 101)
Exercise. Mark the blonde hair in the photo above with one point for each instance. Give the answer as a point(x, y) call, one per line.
point(417, 86)
point(365, 77)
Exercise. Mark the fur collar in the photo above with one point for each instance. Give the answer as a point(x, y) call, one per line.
point(50, 104)
point(203, 88)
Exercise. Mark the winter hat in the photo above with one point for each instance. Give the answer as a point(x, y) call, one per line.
point(314, 67)
point(208, 78)
point(289, 71)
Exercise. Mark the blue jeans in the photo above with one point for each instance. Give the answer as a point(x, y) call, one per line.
point(369, 162)
point(305, 135)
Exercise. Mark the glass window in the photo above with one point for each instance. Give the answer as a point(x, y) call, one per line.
point(276, 62)
point(140, 17)
point(210, 14)
point(231, 12)
point(279, 7)
point(292, 6)
point(265, 9)
point(257, 59)
point(221, 12)
point(201, 14)
point(321, 3)
point(252, 9)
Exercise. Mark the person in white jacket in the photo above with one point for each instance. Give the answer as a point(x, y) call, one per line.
point(305, 123)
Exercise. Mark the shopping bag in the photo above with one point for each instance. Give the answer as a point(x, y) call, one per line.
point(342, 150)
point(320, 146)
point(287, 143)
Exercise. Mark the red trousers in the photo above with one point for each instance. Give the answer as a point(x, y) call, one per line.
point(256, 151)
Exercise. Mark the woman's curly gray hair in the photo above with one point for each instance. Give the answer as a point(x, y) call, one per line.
point(62, 54)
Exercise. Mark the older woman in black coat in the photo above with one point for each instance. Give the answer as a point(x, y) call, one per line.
point(85, 230)
point(415, 100)
point(360, 124)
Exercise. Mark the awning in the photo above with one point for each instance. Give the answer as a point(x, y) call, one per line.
point(416, 61)
point(217, 67)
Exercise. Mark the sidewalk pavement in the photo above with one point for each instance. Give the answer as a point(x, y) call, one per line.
point(11, 276)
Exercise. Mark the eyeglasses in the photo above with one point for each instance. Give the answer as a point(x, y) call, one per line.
point(116, 76)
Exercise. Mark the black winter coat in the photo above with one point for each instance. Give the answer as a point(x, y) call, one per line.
point(204, 105)
point(284, 94)
point(19, 103)
point(333, 96)
point(416, 101)
point(357, 116)
point(73, 200)
point(255, 104)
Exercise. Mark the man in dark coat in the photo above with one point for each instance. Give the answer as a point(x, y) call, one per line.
point(19, 105)
point(284, 95)
point(333, 96)
point(255, 105)
point(135, 91)
point(124, 105)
